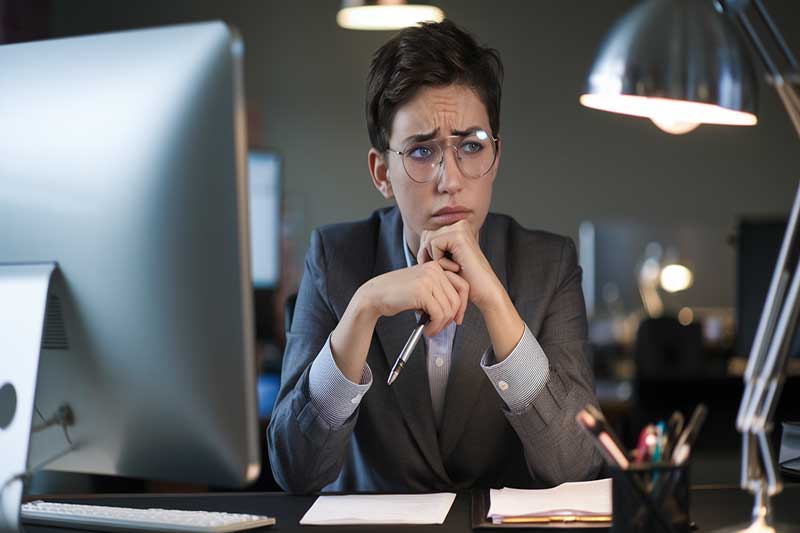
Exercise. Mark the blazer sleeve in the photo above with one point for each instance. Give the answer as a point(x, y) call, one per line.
point(556, 449)
point(306, 453)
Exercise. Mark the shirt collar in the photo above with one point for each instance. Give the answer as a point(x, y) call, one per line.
point(410, 261)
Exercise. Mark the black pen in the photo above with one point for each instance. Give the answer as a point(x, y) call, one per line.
point(604, 438)
point(680, 453)
point(411, 343)
point(674, 429)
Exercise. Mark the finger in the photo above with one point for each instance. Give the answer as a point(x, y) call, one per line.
point(426, 257)
point(435, 312)
point(422, 252)
point(422, 255)
point(432, 305)
point(439, 247)
point(448, 264)
point(453, 297)
point(462, 287)
point(445, 295)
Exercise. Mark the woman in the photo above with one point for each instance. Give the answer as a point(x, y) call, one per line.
point(505, 303)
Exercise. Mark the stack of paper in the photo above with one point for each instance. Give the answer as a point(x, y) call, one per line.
point(587, 499)
point(380, 509)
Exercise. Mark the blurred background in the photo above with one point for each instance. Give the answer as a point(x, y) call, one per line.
point(677, 234)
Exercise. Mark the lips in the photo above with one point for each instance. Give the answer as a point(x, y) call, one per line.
point(451, 210)
point(451, 214)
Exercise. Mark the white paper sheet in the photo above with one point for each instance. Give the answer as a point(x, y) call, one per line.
point(584, 498)
point(379, 509)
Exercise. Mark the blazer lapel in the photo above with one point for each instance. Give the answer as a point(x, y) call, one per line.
point(467, 379)
point(412, 389)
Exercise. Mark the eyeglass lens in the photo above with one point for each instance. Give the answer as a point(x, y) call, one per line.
point(475, 154)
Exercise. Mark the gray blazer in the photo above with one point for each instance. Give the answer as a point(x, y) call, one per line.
point(391, 442)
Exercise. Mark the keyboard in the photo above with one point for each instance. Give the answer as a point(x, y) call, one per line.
point(114, 518)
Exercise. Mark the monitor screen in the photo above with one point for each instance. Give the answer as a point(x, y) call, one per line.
point(265, 208)
point(758, 244)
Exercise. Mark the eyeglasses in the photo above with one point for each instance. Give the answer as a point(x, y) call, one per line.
point(475, 155)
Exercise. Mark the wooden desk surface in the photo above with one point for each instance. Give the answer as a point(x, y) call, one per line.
point(712, 507)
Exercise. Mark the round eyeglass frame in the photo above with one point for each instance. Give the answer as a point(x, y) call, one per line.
point(442, 142)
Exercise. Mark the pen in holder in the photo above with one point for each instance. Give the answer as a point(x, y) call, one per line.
point(651, 498)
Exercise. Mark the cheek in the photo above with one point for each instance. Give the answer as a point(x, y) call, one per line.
point(483, 190)
point(414, 202)
point(411, 197)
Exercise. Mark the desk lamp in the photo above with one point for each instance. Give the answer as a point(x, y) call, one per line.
point(682, 63)
point(656, 272)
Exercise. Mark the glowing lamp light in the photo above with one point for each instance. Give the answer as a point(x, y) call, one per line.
point(676, 278)
point(668, 111)
point(385, 15)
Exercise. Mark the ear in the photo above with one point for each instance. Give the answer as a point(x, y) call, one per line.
point(380, 173)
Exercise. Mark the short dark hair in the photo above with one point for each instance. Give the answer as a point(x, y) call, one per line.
point(432, 54)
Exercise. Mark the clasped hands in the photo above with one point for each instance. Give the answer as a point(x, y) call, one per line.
point(451, 272)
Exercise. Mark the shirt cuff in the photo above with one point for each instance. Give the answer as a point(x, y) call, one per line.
point(521, 376)
point(335, 397)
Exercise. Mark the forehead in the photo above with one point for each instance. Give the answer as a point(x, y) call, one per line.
point(447, 108)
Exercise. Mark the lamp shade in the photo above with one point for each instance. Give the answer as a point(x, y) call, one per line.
point(676, 62)
point(385, 14)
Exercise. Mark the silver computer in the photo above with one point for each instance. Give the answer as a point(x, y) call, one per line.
point(123, 163)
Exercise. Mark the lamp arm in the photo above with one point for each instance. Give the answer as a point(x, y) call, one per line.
point(776, 297)
point(738, 8)
point(781, 277)
point(791, 101)
point(776, 35)
point(769, 382)
point(784, 80)
point(765, 371)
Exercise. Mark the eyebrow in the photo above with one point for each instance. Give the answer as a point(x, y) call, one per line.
point(421, 137)
point(468, 131)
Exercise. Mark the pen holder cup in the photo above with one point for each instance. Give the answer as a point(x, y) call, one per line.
point(650, 498)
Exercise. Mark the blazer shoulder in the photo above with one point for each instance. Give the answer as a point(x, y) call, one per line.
point(345, 253)
point(536, 261)
point(345, 237)
point(524, 241)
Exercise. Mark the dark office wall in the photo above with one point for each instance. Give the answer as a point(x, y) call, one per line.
point(561, 163)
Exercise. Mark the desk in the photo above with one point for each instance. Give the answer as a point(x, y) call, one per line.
point(711, 508)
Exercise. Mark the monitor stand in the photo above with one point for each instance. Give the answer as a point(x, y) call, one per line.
point(23, 301)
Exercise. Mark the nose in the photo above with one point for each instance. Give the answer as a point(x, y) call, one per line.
point(450, 179)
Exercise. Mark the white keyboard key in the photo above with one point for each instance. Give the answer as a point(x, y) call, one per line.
point(99, 517)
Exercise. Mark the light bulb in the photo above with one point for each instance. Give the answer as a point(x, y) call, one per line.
point(675, 127)
point(387, 16)
point(676, 278)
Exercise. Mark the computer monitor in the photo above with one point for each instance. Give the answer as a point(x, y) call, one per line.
point(264, 169)
point(758, 242)
point(264, 172)
point(123, 159)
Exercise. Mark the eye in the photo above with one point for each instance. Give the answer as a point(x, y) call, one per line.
point(420, 152)
point(471, 147)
